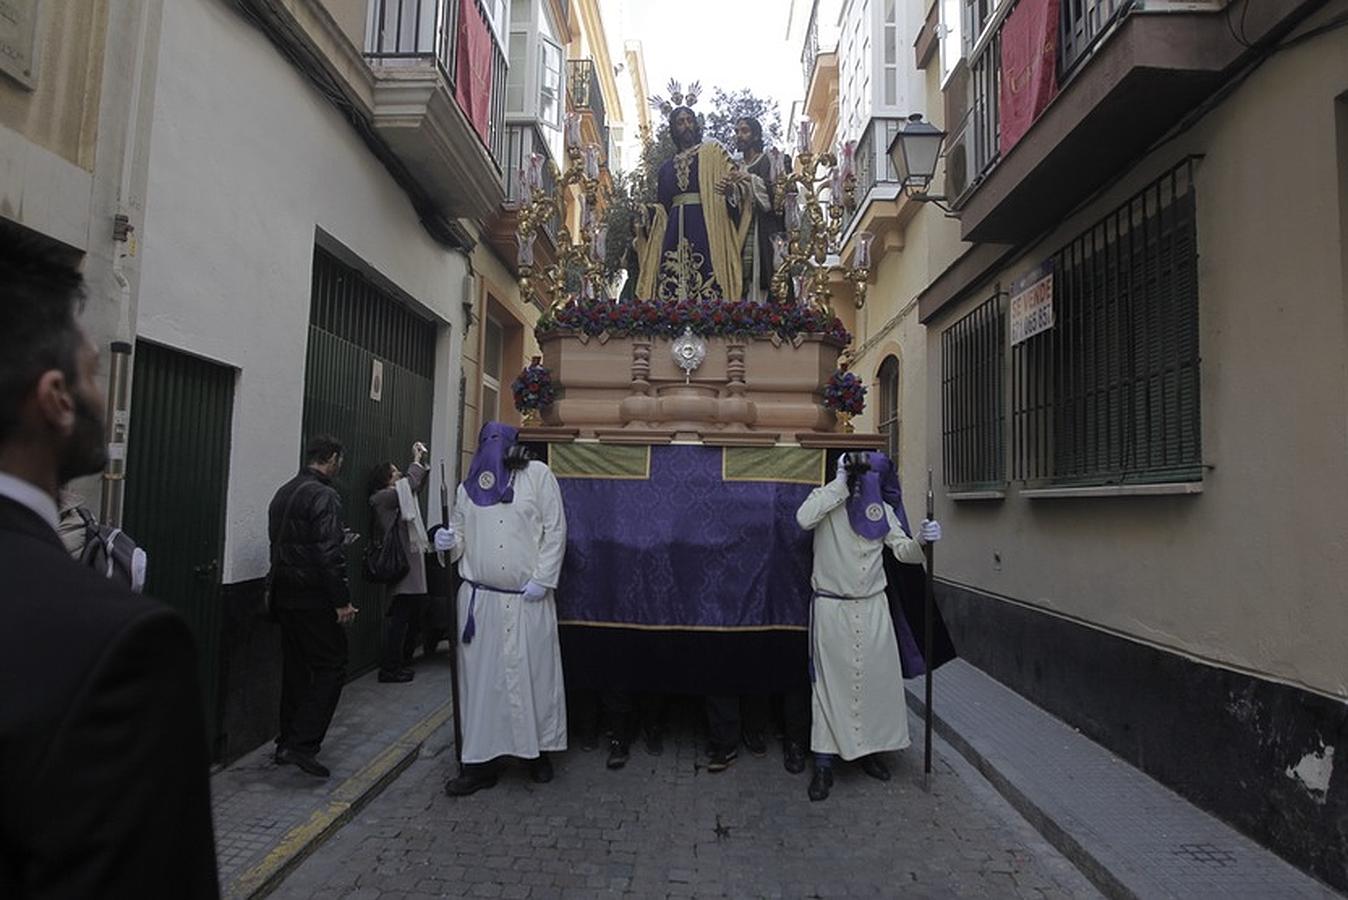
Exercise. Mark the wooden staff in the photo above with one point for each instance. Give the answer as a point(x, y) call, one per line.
point(453, 632)
point(927, 639)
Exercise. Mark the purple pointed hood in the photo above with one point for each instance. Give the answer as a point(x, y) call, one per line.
point(488, 481)
point(865, 505)
point(890, 489)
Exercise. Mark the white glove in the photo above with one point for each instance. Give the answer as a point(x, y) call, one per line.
point(929, 531)
point(533, 591)
point(445, 539)
point(841, 473)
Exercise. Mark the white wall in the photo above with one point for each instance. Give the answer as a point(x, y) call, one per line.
point(1250, 574)
point(247, 162)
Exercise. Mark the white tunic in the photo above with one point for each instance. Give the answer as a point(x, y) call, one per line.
point(510, 676)
point(859, 705)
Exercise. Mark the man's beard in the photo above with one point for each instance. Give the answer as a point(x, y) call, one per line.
point(85, 453)
point(686, 139)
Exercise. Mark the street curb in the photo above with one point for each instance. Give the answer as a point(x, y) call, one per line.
point(1090, 865)
point(345, 801)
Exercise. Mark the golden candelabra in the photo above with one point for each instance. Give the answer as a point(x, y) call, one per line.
point(583, 255)
point(815, 225)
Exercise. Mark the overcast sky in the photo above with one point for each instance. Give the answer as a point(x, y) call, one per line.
point(739, 43)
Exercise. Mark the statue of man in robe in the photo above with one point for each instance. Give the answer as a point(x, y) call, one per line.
point(692, 246)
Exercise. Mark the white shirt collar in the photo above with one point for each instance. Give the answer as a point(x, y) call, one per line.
point(30, 495)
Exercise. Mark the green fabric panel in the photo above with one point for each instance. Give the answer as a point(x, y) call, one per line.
point(796, 465)
point(600, 461)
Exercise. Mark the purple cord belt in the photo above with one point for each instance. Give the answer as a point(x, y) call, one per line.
point(470, 626)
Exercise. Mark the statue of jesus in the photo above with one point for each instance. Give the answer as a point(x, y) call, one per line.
point(696, 235)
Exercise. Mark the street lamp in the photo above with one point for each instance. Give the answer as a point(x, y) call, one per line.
point(914, 152)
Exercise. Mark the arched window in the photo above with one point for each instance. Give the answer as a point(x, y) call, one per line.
point(887, 412)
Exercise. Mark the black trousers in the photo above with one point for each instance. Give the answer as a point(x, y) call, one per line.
point(729, 716)
point(313, 670)
point(403, 610)
point(621, 710)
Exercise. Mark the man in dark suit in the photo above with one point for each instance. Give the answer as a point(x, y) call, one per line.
point(104, 787)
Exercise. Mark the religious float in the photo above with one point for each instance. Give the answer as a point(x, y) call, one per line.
point(686, 428)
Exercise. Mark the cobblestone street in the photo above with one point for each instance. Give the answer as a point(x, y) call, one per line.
point(665, 827)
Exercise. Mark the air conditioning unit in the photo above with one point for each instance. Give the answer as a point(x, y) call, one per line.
point(958, 153)
point(958, 164)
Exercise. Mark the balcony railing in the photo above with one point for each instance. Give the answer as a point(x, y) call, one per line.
point(583, 91)
point(811, 49)
point(984, 123)
point(521, 140)
point(1081, 25)
point(873, 165)
point(415, 30)
point(422, 30)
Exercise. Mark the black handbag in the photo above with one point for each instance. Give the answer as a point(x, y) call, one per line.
point(385, 561)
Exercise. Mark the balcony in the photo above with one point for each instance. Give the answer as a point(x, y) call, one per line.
point(418, 104)
point(811, 48)
point(881, 208)
point(522, 139)
point(1126, 74)
point(585, 95)
point(819, 63)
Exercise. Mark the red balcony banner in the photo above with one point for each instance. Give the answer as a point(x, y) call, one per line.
point(472, 83)
point(1029, 67)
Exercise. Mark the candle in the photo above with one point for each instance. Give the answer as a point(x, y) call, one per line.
point(525, 254)
point(792, 213)
point(849, 152)
point(572, 130)
point(778, 250)
point(835, 186)
point(535, 180)
point(591, 160)
point(600, 241)
point(803, 144)
point(776, 164)
point(519, 188)
point(862, 258)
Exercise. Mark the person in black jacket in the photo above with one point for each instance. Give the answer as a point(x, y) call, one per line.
point(312, 601)
point(104, 786)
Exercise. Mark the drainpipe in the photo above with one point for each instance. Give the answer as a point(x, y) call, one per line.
point(125, 266)
point(117, 420)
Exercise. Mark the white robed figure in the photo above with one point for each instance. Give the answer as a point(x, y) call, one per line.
point(508, 535)
point(858, 701)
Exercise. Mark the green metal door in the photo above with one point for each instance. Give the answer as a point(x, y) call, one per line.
point(353, 325)
point(176, 472)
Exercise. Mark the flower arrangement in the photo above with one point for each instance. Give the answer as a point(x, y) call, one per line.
point(844, 393)
point(533, 388)
point(706, 318)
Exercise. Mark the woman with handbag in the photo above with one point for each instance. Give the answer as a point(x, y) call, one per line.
point(396, 516)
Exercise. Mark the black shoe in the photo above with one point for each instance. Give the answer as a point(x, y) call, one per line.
point(721, 760)
point(821, 783)
point(286, 757)
point(401, 676)
point(588, 741)
point(793, 757)
point(472, 780)
point(540, 770)
point(654, 741)
point(618, 754)
point(755, 744)
point(875, 767)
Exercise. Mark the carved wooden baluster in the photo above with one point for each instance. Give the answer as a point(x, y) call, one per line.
point(641, 367)
point(735, 368)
